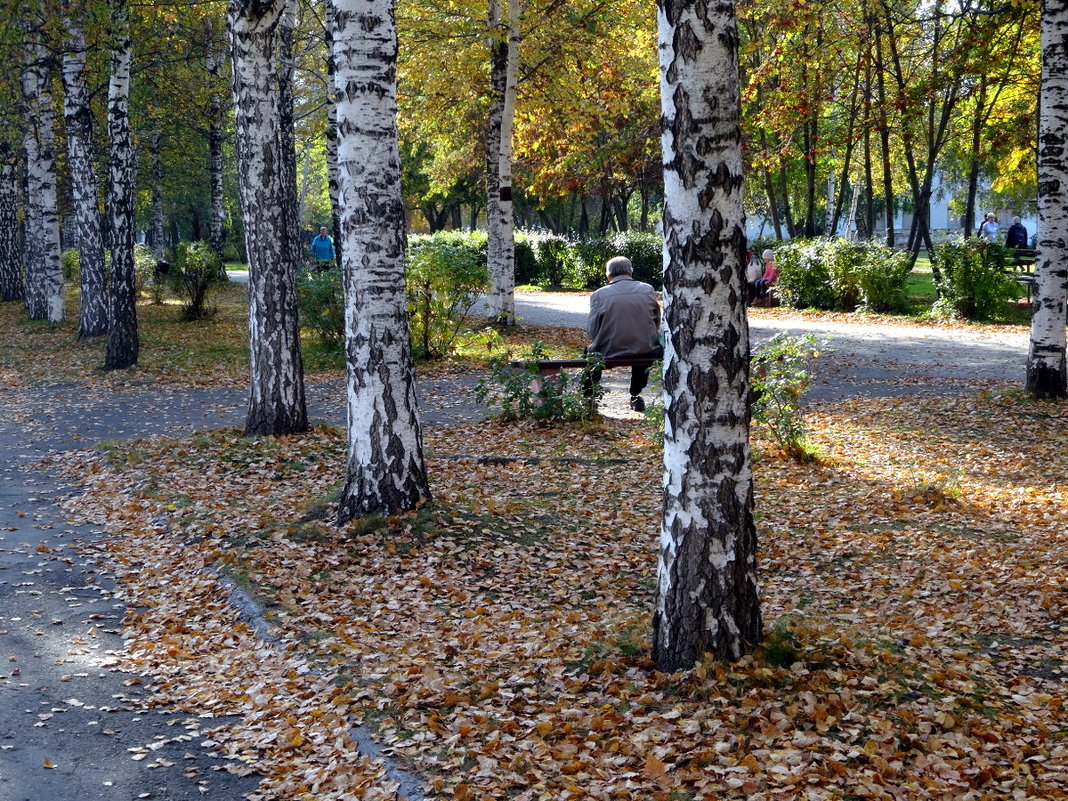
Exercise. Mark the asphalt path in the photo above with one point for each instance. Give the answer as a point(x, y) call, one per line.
point(859, 358)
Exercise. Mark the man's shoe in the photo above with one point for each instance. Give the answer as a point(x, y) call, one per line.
point(637, 403)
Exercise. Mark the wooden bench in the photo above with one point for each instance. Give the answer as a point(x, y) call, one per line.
point(1023, 262)
point(554, 366)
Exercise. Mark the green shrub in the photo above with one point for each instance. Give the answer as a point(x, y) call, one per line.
point(645, 251)
point(837, 275)
point(883, 277)
point(445, 278)
point(973, 282)
point(321, 306)
point(194, 270)
point(590, 257)
point(70, 261)
point(778, 379)
point(526, 260)
point(519, 393)
point(804, 275)
point(147, 277)
point(554, 259)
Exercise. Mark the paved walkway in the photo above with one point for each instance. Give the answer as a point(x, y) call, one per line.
point(68, 720)
point(862, 359)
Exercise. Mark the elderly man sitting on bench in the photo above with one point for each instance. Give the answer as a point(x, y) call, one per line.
point(624, 322)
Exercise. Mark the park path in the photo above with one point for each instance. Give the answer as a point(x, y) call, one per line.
point(861, 358)
point(68, 720)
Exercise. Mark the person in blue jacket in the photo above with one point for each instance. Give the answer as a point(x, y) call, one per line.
point(322, 249)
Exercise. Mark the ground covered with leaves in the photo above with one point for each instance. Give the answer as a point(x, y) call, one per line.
point(915, 594)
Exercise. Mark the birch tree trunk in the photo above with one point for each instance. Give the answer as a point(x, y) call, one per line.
point(1046, 356)
point(78, 116)
point(500, 222)
point(276, 398)
point(44, 276)
point(217, 223)
point(123, 344)
point(333, 174)
point(707, 596)
point(12, 286)
point(155, 234)
point(385, 470)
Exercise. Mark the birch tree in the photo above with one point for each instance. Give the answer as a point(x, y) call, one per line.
point(385, 470)
point(276, 398)
point(706, 583)
point(78, 119)
point(215, 61)
point(44, 276)
point(123, 343)
point(1046, 356)
point(500, 221)
point(11, 282)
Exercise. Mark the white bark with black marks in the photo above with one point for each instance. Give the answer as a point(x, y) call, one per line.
point(276, 398)
point(12, 285)
point(332, 171)
point(707, 597)
point(123, 343)
point(1046, 376)
point(78, 119)
point(216, 61)
point(385, 470)
point(44, 275)
point(155, 230)
point(500, 220)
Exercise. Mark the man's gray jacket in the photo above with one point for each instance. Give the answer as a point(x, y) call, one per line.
point(624, 319)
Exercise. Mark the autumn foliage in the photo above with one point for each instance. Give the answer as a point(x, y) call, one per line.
point(913, 584)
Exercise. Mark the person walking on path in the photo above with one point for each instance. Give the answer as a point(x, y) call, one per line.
point(322, 249)
point(1016, 236)
point(989, 229)
point(624, 322)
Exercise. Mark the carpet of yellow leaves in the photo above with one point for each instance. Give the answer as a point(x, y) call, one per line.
point(915, 587)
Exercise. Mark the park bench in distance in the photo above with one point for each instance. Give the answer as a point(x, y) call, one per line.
point(554, 366)
point(1021, 266)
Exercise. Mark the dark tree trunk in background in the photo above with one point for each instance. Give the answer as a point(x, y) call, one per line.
point(268, 195)
point(123, 343)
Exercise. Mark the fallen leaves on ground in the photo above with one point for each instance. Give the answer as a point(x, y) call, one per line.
point(915, 590)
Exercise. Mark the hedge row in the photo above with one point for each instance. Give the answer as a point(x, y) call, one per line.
point(550, 260)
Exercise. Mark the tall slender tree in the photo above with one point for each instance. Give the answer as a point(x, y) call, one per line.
point(385, 470)
point(706, 585)
point(1046, 356)
point(44, 276)
point(123, 342)
point(276, 399)
point(78, 118)
point(500, 219)
point(12, 286)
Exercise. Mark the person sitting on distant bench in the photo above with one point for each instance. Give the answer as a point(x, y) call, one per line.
point(1016, 236)
point(762, 286)
point(624, 322)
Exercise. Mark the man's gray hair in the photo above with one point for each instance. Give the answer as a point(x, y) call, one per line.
point(619, 265)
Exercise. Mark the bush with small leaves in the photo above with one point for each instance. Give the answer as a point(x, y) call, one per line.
point(519, 393)
point(194, 271)
point(445, 279)
point(778, 378)
point(973, 282)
